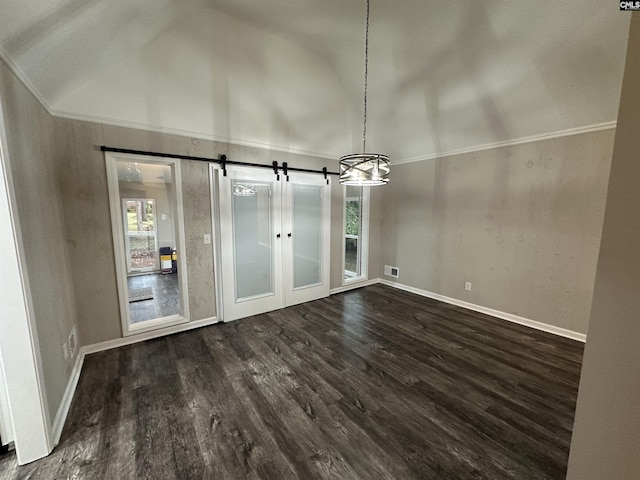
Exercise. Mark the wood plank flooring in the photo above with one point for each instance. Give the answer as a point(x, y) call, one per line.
point(375, 383)
point(166, 296)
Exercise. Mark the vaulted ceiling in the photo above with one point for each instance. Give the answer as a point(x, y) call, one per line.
point(288, 74)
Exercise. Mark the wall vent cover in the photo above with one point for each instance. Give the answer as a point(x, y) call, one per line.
point(391, 271)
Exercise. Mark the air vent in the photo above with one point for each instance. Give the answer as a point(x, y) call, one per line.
point(391, 271)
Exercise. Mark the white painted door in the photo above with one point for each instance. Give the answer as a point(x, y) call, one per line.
point(306, 220)
point(251, 242)
point(274, 240)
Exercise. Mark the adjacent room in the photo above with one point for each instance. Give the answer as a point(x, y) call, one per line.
point(364, 239)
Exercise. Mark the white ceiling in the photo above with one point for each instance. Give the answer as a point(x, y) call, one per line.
point(444, 75)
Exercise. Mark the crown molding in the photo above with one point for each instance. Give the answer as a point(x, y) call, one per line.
point(517, 141)
point(15, 69)
point(188, 133)
point(279, 148)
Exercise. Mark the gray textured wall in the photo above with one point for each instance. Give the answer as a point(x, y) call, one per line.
point(522, 223)
point(86, 204)
point(197, 222)
point(36, 179)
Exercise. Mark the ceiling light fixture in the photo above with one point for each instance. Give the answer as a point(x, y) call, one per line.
point(365, 169)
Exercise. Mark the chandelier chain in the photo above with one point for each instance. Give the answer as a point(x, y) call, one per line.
point(366, 75)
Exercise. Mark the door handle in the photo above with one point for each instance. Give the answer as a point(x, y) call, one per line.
point(289, 235)
point(278, 236)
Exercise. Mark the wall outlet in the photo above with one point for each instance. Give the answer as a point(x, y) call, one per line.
point(467, 286)
point(391, 271)
point(207, 239)
point(73, 341)
point(65, 350)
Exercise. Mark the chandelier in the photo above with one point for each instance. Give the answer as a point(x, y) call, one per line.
point(365, 169)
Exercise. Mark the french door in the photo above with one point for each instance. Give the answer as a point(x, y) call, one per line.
point(274, 240)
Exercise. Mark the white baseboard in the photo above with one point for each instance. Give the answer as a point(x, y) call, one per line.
point(63, 410)
point(161, 332)
point(527, 322)
point(65, 404)
point(351, 286)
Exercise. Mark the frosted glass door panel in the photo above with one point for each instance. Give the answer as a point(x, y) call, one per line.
point(252, 240)
point(307, 219)
point(307, 235)
point(274, 240)
point(250, 222)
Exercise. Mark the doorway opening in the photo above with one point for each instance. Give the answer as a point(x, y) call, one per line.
point(146, 203)
point(356, 234)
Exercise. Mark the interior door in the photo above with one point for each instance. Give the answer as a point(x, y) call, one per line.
point(274, 240)
point(251, 242)
point(306, 222)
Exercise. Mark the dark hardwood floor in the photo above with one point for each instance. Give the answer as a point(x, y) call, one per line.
point(166, 296)
point(372, 383)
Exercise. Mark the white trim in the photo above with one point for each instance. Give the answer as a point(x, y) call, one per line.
point(19, 344)
point(331, 156)
point(67, 397)
point(13, 66)
point(215, 239)
point(277, 148)
point(147, 127)
point(527, 322)
point(180, 237)
point(121, 342)
point(363, 237)
point(72, 384)
point(507, 143)
point(354, 285)
point(117, 226)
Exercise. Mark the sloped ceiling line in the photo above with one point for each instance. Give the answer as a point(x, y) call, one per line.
point(444, 78)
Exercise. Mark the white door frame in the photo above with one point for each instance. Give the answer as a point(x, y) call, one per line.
point(215, 239)
point(363, 237)
point(117, 224)
point(19, 346)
